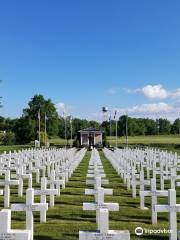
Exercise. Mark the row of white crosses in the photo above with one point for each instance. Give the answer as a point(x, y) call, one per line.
point(97, 175)
point(23, 165)
point(130, 164)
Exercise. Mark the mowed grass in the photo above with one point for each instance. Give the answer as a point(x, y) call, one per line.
point(67, 217)
point(58, 141)
point(14, 147)
point(130, 216)
point(147, 140)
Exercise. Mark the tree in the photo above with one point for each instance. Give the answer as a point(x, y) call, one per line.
point(164, 126)
point(151, 127)
point(122, 125)
point(38, 102)
point(9, 138)
point(25, 130)
point(176, 126)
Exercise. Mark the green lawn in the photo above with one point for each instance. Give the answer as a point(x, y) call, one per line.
point(67, 218)
point(13, 147)
point(58, 141)
point(154, 139)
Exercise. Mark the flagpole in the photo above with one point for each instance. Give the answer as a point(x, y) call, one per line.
point(65, 130)
point(39, 117)
point(71, 131)
point(110, 127)
point(116, 131)
point(126, 130)
point(45, 130)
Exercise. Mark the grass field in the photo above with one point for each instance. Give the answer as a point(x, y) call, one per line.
point(67, 217)
point(58, 141)
point(147, 140)
point(14, 147)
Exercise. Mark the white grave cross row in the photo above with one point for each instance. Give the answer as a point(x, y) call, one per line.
point(43, 192)
point(97, 182)
point(153, 193)
point(21, 176)
point(104, 233)
point(172, 208)
point(29, 208)
point(99, 204)
point(6, 233)
point(7, 182)
point(54, 183)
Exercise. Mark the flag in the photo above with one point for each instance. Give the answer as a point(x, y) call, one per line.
point(46, 118)
point(64, 114)
point(39, 115)
point(115, 113)
point(70, 119)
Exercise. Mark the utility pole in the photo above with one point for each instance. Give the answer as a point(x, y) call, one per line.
point(45, 130)
point(65, 129)
point(110, 127)
point(116, 132)
point(115, 117)
point(126, 130)
point(71, 130)
point(39, 118)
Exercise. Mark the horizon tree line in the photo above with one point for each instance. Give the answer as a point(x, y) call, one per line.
point(25, 128)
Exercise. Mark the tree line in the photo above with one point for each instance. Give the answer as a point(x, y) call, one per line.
point(141, 126)
point(25, 129)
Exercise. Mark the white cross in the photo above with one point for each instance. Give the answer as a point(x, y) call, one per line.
point(54, 183)
point(34, 170)
point(96, 174)
point(7, 182)
point(29, 208)
point(96, 206)
point(5, 228)
point(141, 182)
point(97, 182)
point(172, 208)
point(104, 233)
point(172, 177)
point(43, 192)
point(21, 176)
point(153, 193)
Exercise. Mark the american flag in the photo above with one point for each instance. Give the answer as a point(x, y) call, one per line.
point(115, 113)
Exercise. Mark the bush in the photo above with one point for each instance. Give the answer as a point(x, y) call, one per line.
point(9, 139)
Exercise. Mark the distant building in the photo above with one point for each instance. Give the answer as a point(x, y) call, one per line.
point(90, 137)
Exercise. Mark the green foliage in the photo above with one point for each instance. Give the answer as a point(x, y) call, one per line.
point(26, 128)
point(164, 126)
point(176, 126)
point(43, 138)
point(38, 102)
point(8, 138)
point(141, 126)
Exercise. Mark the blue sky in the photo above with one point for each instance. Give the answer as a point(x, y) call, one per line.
point(89, 54)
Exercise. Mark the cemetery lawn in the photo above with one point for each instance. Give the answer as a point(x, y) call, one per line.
point(147, 140)
point(67, 217)
point(57, 141)
point(14, 147)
